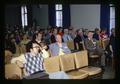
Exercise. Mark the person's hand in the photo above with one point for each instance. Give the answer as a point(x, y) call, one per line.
point(45, 47)
point(19, 63)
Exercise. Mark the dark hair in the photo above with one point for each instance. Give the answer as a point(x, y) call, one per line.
point(29, 45)
point(96, 29)
point(36, 34)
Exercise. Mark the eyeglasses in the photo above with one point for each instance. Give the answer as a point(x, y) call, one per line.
point(36, 47)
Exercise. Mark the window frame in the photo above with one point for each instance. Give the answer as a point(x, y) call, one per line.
point(59, 22)
point(24, 16)
point(112, 18)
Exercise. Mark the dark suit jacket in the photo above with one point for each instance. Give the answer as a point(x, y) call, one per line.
point(90, 46)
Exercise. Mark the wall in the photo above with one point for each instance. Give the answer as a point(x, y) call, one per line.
point(12, 15)
point(85, 16)
point(40, 13)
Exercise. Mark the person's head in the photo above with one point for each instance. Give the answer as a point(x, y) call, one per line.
point(97, 30)
point(90, 34)
point(79, 32)
point(55, 31)
point(39, 35)
point(60, 29)
point(103, 31)
point(25, 36)
point(70, 31)
point(58, 38)
point(33, 47)
point(86, 31)
point(65, 31)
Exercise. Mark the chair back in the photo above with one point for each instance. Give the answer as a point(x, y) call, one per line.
point(8, 56)
point(67, 62)
point(51, 64)
point(70, 45)
point(81, 59)
point(12, 71)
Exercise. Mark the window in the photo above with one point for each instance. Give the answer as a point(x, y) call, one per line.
point(58, 8)
point(24, 16)
point(112, 17)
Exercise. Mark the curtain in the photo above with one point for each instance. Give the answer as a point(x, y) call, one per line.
point(52, 15)
point(105, 17)
point(66, 15)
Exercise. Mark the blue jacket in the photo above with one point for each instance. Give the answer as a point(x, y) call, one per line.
point(54, 49)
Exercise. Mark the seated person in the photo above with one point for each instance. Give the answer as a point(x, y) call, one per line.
point(58, 48)
point(66, 37)
point(92, 46)
point(96, 35)
point(32, 60)
point(38, 37)
point(78, 40)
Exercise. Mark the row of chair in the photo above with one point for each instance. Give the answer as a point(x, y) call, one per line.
point(75, 65)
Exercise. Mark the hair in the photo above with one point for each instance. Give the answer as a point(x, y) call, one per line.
point(36, 34)
point(30, 45)
point(96, 29)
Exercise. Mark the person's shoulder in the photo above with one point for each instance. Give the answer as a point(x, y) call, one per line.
point(63, 43)
point(52, 44)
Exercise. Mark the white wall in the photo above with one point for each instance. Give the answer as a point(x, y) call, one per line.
point(85, 16)
point(40, 13)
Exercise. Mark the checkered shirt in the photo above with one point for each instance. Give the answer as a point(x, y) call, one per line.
point(34, 63)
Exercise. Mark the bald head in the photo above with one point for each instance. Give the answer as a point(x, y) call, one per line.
point(90, 34)
point(58, 38)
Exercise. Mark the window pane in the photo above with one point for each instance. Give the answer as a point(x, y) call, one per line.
point(25, 19)
point(25, 9)
point(59, 18)
point(58, 7)
point(112, 17)
point(24, 16)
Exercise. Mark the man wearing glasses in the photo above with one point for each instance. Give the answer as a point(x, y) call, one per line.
point(32, 60)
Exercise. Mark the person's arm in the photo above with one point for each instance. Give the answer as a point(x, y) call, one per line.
point(45, 54)
point(20, 58)
point(64, 38)
point(87, 46)
point(66, 49)
point(50, 49)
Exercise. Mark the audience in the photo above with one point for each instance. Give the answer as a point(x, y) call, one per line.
point(54, 40)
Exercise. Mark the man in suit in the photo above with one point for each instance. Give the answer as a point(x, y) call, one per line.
point(58, 48)
point(92, 46)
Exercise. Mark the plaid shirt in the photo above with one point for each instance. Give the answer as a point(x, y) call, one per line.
point(34, 63)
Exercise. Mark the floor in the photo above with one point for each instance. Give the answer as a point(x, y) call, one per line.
point(109, 72)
